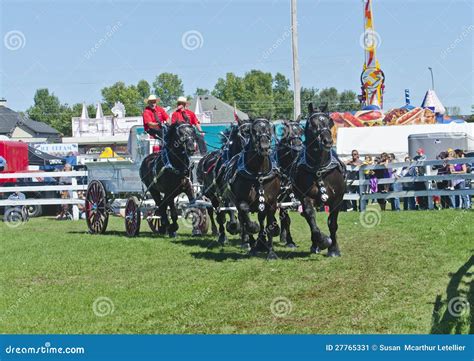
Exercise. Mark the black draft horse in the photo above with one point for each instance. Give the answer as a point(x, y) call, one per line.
point(252, 183)
point(167, 172)
point(287, 151)
point(317, 174)
point(210, 171)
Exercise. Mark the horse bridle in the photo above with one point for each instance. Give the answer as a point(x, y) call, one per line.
point(319, 131)
point(182, 139)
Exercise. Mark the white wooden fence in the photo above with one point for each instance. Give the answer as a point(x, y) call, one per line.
point(73, 188)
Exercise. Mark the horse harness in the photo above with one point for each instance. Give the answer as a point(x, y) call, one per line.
point(238, 168)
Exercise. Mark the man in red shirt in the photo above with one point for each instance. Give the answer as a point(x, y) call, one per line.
point(154, 117)
point(184, 115)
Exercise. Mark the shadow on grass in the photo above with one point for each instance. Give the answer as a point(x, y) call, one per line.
point(458, 315)
point(122, 234)
point(224, 255)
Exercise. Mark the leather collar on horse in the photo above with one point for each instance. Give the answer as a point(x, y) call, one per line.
point(320, 170)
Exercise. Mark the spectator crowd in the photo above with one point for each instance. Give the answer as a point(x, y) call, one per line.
point(374, 177)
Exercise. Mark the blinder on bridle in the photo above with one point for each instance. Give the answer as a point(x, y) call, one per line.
point(185, 133)
point(319, 127)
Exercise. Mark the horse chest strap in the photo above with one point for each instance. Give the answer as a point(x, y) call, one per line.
point(261, 197)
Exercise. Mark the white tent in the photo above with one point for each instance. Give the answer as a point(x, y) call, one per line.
point(431, 100)
point(390, 139)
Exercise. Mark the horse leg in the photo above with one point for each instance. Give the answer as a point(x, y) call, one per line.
point(333, 250)
point(163, 224)
point(232, 226)
point(261, 244)
point(220, 215)
point(247, 227)
point(319, 242)
point(244, 236)
point(173, 227)
point(272, 230)
point(210, 211)
point(285, 235)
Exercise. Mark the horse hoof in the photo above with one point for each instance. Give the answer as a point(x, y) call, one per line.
point(334, 253)
point(315, 250)
point(246, 246)
point(222, 239)
point(172, 234)
point(172, 228)
point(254, 227)
point(196, 233)
point(326, 242)
point(252, 252)
point(290, 245)
point(273, 230)
point(232, 228)
point(271, 256)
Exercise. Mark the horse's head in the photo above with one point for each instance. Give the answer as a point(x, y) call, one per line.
point(182, 136)
point(292, 134)
point(318, 128)
point(261, 132)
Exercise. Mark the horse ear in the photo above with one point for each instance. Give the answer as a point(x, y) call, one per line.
point(298, 120)
point(310, 108)
point(325, 107)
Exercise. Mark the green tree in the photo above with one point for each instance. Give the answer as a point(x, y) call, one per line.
point(330, 97)
point(48, 109)
point(168, 87)
point(128, 95)
point(143, 88)
point(308, 95)
point(201, 91)
point(283, 97)
point(230, 89)
point(348, 101)
point(470, 119)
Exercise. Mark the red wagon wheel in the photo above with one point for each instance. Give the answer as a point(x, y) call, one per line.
point(154, 223)
point(97, 215)
point(133, 217)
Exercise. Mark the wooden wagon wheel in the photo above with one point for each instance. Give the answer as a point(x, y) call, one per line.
point(154, 223)
point(97, 215)
point(133, 217)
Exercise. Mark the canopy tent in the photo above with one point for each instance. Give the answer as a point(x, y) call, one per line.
point(432, 101)
point(39, 158)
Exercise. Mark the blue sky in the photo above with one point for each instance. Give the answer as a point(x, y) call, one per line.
point(135, 40)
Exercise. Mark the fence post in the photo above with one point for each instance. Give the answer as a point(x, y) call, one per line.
point(362, 186)
point(75, 208)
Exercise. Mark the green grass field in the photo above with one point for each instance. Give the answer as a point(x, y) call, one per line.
point(397, 277)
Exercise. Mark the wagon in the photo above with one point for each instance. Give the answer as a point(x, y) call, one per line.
point(115, 187)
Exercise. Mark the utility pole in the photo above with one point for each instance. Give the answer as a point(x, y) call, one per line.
point(296, 66)
point(432, 77)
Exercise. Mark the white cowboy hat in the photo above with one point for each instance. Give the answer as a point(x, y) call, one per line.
point(151, 98)
point(182, 100)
